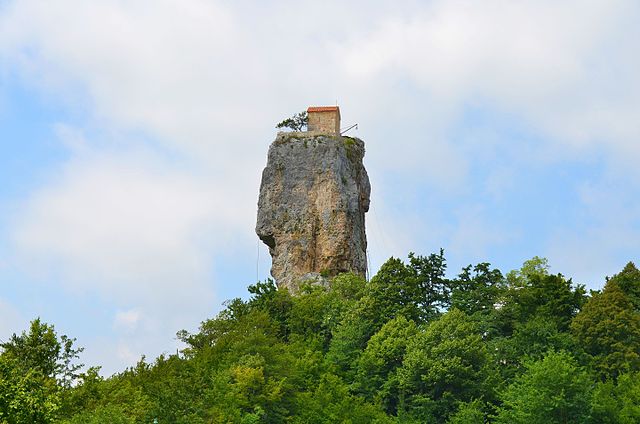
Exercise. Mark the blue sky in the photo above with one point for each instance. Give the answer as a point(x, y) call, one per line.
point(133, 135)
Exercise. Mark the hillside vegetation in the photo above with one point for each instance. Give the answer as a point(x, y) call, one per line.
point(409, 346)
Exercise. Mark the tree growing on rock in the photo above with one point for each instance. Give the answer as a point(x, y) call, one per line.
point(297, 122)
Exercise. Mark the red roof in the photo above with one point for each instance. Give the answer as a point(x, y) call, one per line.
point(323, 109)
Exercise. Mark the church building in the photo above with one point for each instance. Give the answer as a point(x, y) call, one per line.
point(324, 119)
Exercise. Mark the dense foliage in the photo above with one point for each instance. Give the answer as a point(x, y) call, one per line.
point(408, 346)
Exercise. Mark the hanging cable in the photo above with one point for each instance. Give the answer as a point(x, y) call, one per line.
point(258, 263)
point(369, 266)
point(379, 228)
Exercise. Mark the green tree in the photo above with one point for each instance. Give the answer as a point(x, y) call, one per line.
point(629, 282)
point(41, 350)
point(533, 292)
point(26, 395)
point(469, 413)
point(349, 338)
point(377, 367)
point(112, 414)
point(530, 340)
point(617, 402)
point(444, 365)
point(552, 390)
point(277, 303)
point(312, 313)
point(36, 367)
point(297, 122)
point(535, 266)
point(418, 290)
point(330, 402)
point(608, 329)
point(477, 290)
point(251, 393)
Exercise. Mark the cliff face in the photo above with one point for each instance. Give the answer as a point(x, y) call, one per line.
point(313, 197)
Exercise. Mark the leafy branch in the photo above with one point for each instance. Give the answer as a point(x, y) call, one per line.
point(297, 122)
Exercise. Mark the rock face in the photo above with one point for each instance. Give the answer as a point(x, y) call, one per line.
point(313, 197)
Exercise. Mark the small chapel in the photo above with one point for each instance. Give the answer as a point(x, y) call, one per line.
point(324, 119)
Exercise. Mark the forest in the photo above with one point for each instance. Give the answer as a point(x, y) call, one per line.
point(410, 345)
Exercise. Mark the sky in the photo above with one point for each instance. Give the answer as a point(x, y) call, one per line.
point(133, 135)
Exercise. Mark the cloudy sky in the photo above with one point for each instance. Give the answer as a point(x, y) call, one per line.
point(133, 134)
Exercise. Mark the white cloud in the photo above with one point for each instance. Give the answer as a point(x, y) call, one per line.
point(567, 68)
point(141, 233)
point(188, 71)
point(72, 138)
point(125, 354)
point(127, 320)
point(137, 231)
point(183, 71)
point(142, 331)
point(209, 79)
point(130, 225)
